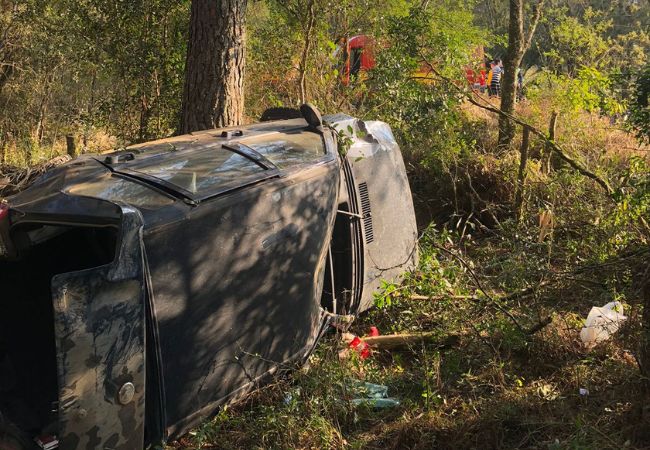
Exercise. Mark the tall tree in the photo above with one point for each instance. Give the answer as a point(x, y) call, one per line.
point(518, 43)
point(214, 72)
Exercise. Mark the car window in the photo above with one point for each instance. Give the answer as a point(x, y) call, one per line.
point(202, 170)
point(117, 189)
point(288, 149)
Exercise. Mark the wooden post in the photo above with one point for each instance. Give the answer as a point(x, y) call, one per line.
point(69, 141)
point(521, 176)
point(546, 163)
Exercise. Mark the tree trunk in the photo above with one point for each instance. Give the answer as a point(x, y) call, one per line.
point(518, 43)
point(511, 62)
point(214, 73)
point(548, 157)
point(644, 357)
point(311, 18)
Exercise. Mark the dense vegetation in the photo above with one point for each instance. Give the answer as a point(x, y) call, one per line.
point(512, 257)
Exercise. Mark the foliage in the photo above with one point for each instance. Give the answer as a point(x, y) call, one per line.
point(404, 92)
point(277, 35)
point(92, 69)
point(576, 42)
point(639, 120)
point(591, 90)
point(608, 35)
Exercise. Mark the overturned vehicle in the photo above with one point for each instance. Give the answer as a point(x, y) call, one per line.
point(143, 289)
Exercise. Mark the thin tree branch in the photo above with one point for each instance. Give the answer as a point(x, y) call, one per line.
point(479, 285)
point(537, 15)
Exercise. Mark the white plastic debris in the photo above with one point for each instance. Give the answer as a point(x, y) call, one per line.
point(583, 392)
point(601, 323)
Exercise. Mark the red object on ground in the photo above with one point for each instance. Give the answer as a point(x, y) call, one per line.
point(361, 347)
point(355, 342)
point(374, 331)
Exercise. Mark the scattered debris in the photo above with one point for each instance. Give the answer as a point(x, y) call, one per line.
point(360, 346)
point(357, 344)
point(394, 342)
point(373, 395)
point(601, 323)
point(47, 442)
point(15, 179)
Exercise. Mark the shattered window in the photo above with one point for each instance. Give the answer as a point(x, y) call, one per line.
point(288, 149)
point(202, 170)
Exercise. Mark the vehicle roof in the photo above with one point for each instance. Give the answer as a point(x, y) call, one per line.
point(107, 177)
point(207, 137)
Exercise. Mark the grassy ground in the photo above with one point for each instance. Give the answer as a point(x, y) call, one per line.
point(497, 387)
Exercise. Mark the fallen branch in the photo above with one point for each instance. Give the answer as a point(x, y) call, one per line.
point(396, 341)
point(404, 340)
point(479, 285)
point(442, 297)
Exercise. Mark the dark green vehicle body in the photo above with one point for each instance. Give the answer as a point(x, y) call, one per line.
point(143, 289)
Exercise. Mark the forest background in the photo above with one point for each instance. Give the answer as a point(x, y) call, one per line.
point(518, 241)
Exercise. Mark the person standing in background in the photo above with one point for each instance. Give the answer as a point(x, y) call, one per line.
point(495, 82)
point(489, 79)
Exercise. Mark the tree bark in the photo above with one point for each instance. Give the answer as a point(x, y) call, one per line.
point(311, 18)
point(214, 74)
point(552, 129)
point(644, 356)
point(518, 43)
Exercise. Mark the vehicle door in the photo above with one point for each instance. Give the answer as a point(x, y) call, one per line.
point(100, 338)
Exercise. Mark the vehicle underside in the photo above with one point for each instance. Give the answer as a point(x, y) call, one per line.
point(28, 354)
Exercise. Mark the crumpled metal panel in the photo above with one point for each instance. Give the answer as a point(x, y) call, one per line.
point(389, 228)
point(100, 337)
